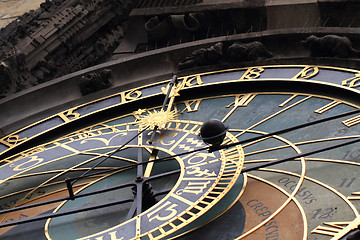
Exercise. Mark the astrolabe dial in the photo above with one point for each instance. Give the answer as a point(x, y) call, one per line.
point(179, 189)
point(317, 192)
point(295, 128)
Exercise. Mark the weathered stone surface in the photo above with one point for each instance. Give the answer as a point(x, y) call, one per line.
point(330, 46)
point(93, 82)
point(10, 10)
point(58, 38)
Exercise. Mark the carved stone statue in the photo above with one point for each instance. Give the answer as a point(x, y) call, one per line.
point(247, 51)
point(222, 52)
point(96, 81)
point(203, 57)
point(7, 82)
point(330, 46)
point(164, 28)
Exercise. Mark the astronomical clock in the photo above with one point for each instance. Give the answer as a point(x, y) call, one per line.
point(142, 163)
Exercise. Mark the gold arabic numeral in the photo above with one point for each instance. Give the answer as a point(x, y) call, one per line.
point(352, 121)
point(327, 107)
point(252, 73)
point(69, 115)
point(195, 187)
point(127, 96)
point(33, 161)
point(352, 82)
point(307, 72)
point(168, 207)
point(241, 100)
point(12, 140)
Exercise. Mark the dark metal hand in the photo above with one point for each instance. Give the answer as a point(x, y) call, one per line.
point(166, 100)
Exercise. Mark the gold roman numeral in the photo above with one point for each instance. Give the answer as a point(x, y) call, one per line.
point(191, 106)
point(194, 188)
point(288, 100)
point(330, 229)
point(337, 230)
point(241, 100)
point(327, 107)
point(354, 196)
point(352, 121)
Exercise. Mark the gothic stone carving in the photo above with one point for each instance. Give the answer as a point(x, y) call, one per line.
point(96, 81)
point(182, 25)
point(330, 46)
point(59, 38)
point(203, 56)
point(238, 52)
point(222, 52)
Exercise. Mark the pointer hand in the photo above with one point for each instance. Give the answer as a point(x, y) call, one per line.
point(166, 100)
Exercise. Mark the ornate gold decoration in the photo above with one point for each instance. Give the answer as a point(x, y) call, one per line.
point(156, 118)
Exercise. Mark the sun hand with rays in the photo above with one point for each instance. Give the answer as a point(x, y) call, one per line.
point(156, 119)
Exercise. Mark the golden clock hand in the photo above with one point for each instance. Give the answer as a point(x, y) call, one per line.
point(166, 100)
point(139, 180)
point(149, 167)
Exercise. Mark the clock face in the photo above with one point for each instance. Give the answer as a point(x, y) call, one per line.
point(123, 167)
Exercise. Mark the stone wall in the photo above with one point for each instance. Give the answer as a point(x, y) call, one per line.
point(11, 9)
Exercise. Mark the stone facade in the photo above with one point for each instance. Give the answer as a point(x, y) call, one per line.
point(10, 10)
